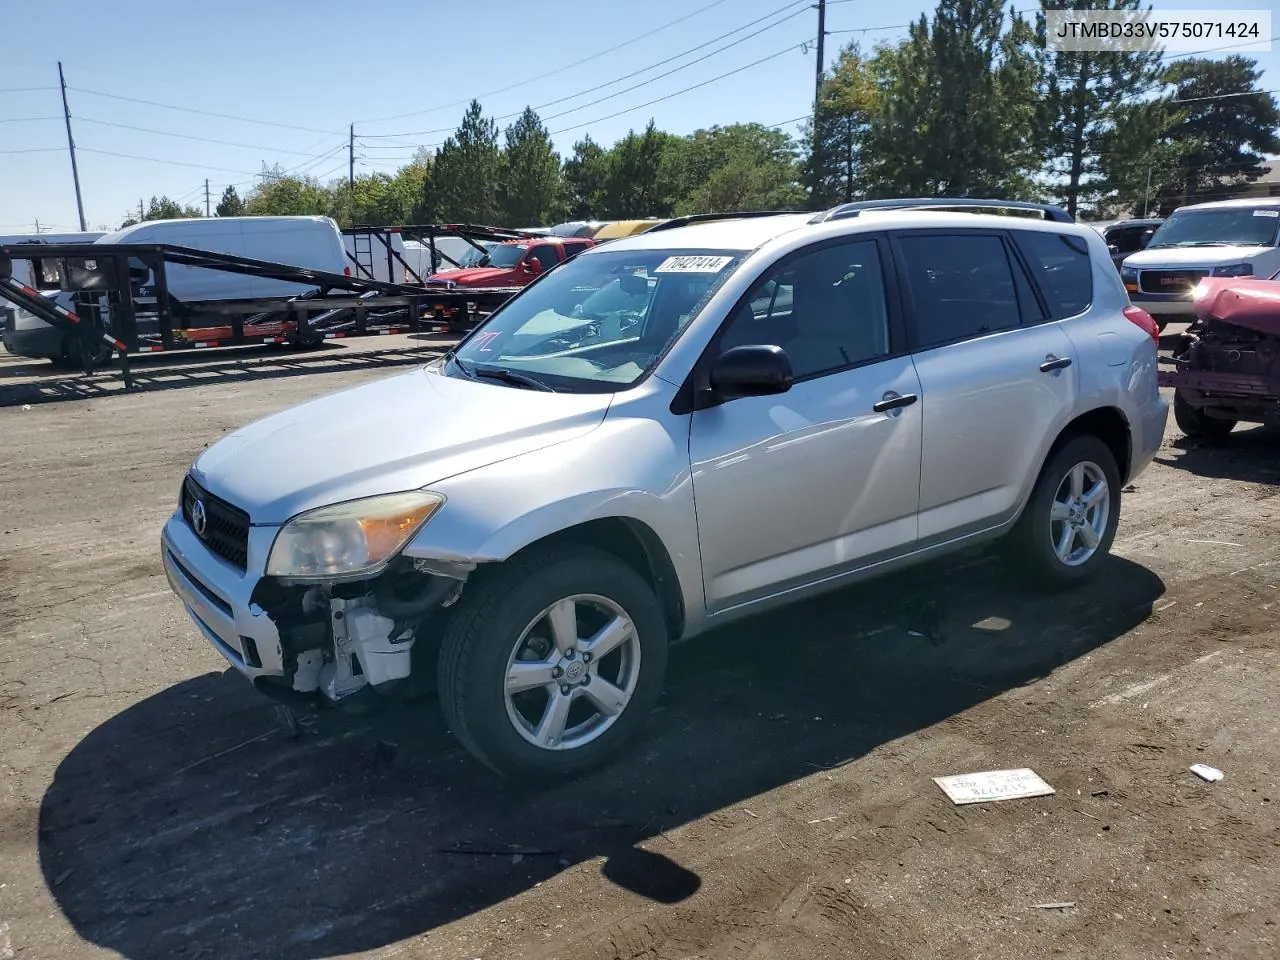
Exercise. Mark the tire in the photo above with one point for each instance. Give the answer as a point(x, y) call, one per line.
point(483, 643)
point(1196, 423)
point(73, 359)
point(1031, 548)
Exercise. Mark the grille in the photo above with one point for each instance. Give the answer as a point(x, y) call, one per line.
point(1171, 281)
point(226, 530)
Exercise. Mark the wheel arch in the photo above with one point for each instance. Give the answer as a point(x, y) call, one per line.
point(1108, 424)
point(636, 544)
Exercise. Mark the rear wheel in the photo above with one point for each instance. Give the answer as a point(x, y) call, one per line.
point(73, 358)
point(549, 664)
point(1069, 523)
point(1194, 422)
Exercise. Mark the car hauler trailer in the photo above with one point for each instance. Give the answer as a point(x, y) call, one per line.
point(99, 301)
point(378, 252)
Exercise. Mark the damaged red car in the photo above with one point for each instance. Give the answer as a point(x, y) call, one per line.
point(1225, 369)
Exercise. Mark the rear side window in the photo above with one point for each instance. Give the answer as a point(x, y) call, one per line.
point(1063, 268)
point(961, 286)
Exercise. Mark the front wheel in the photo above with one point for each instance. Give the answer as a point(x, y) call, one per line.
point(1196, 423)
point(550, 663)
point(1069, 523)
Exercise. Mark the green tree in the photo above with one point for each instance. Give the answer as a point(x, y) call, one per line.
point(531, 190)
point(1082, 95)
point(743, 166)
point(1206, 139)
point(635, 182)
point(466, 172)
point(850, 97)
point(282, 195)
point(230, 205)
point(957, 106)
point(584, 178)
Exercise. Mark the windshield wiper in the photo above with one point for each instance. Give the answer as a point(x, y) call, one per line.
point(510, 376)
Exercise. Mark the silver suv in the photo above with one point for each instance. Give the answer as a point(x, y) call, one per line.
point(669, 432)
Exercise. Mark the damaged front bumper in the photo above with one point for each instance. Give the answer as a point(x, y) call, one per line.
point(306, 642)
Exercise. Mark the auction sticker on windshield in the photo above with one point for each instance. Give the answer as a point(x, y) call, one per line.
point(692, 265)
point(1266, 213)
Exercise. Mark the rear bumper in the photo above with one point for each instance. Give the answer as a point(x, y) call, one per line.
point(218, 599)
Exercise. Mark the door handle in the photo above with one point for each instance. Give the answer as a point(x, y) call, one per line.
point(1055, 363)
point(892, 401)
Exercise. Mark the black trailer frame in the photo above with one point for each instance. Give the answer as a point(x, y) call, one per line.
point(426, 234)
point(108, 286)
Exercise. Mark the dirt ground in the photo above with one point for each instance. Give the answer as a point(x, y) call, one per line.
point(779, 804)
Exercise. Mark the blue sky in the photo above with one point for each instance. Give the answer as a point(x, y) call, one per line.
point(401, 70)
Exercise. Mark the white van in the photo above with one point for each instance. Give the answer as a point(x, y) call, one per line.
point(367, 254)
point(313, 242)
point(1224, 238)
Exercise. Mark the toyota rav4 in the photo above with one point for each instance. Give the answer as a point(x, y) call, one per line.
point(669, 432)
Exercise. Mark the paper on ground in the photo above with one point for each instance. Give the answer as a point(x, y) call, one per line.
point(993, 785)
point(1206, 772)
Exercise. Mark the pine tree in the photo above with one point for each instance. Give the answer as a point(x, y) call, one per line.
point(532, 187)
point(465, 174)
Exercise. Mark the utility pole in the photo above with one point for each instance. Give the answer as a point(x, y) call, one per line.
point(815, 173)
point(71, 145)
point(351, 159)
point(140, 213)
point(206, 198)
point(1146, 200)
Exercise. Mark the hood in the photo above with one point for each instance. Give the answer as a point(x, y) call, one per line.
point(476, 276)
point(399, 433)
point(1192, 258)
point(1254, 304)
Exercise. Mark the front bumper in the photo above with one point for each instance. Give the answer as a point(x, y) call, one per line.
point(218, 598)
point(1165, 306)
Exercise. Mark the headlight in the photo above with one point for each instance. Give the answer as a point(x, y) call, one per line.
point(1234, 270)
point(1129, 274)
point(350, 538)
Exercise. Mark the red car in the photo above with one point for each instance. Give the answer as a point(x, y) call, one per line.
point(514, 263)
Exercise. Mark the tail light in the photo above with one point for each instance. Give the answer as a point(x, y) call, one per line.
point(1144, 320)
point(346, 271)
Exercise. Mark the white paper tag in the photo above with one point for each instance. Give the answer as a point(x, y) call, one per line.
point(1266, 213)
point(692, 264)
point(993, 785)
point(1206, 772)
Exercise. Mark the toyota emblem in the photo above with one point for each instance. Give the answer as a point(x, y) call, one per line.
point(199, 519)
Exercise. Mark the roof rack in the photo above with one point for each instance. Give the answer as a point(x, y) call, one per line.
point(685, 221)
point(846, 210)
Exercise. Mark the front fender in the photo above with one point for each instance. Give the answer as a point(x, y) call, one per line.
point(635, 466)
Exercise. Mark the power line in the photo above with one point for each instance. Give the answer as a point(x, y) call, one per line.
point(36, 149)
point(652, 66)
point(24, 89)
point(26, 119)
point(649, 103)
point(187, 136)
point(205, 113)
point(172, 163)
point(551, 73)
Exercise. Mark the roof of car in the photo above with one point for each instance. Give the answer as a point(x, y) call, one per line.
point(1268, 202)
point(753, 232)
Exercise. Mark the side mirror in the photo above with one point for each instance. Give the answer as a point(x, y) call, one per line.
point(532, 267)
point(753, 370)
point(1113, 247)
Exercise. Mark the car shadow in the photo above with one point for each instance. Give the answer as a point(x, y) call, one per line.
point(200, 369)
point(189, 825)
point(1248, 453)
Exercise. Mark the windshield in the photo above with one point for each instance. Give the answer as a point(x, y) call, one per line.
point(502, 255)
point(1242, 226)
point(599, 322)
point(473, 257)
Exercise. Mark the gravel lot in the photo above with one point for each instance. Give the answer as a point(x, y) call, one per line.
point(778, 806)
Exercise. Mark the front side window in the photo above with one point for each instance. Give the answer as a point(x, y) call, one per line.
point(825, 308)
point(599, 322)
point(545, 256)
point(503, 255)
point(1223, 227)
point(962, 287)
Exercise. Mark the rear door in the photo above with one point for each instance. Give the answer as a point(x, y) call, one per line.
point(996, 375)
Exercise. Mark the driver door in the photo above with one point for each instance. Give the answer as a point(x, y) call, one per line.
point(823, 479)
